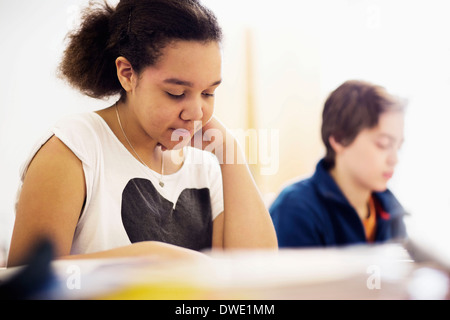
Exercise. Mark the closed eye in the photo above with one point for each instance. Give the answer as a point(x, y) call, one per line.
point(175, 96)
point(383, 146)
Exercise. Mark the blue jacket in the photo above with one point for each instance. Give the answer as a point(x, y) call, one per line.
point(314, 212)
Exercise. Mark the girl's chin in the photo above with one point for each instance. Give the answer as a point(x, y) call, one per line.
point(174, 145)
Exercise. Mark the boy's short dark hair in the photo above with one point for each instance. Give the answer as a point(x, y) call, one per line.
point(353, 106)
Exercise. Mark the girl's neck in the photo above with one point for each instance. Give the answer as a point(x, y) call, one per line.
point(147, 150)
point(135, 133)
point(150, 153)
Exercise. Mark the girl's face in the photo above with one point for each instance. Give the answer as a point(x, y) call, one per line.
point(371, 158)
point(175, 97)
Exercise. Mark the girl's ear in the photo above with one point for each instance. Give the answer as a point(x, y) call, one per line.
point(125, 74)
point(337, 146)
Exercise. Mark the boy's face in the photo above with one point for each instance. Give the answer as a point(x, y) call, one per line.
point(371, 158)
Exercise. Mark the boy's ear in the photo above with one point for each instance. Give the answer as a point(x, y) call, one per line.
point(337, 146)
point(125, 73)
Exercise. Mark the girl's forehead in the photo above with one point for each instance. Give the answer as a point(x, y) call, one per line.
point(189, 61)
point(190, 54)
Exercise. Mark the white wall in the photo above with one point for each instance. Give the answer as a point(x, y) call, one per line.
point(301, 51)
point(305, 49)
point(32, 98)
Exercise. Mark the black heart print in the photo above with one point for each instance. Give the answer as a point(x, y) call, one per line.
point(146, 215)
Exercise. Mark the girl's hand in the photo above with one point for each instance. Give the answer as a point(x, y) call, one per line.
point(245, 221)
point(215, 138)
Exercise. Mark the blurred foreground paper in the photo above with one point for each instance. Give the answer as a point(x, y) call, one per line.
point(359, 272)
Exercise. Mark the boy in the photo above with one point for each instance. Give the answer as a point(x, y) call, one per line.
point(346, 201)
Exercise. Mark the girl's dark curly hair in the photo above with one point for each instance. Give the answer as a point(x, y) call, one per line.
point(135, 29)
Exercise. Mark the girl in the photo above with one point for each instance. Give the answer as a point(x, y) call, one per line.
point(346, 201)
point(124, 181)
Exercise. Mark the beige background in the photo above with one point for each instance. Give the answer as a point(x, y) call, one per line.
point(281, 59)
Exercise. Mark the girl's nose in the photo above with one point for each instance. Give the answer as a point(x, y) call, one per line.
point(192, 111)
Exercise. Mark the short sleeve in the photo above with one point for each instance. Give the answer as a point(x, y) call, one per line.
point(77, 132)
point(79, 135)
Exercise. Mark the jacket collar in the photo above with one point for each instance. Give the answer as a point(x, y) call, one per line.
point(326, 185)
point(390, 203)
point(329, 189)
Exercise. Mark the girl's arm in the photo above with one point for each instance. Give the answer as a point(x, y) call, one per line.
point(50, 202)
point(245, 222)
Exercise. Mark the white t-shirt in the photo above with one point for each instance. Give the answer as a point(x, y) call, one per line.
point(124, 201)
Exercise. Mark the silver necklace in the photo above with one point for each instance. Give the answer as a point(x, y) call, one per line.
point(161, 183)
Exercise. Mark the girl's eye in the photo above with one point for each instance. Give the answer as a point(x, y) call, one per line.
point(175, 96)
point(208, 95)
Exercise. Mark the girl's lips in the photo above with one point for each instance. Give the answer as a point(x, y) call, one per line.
point(180, 133)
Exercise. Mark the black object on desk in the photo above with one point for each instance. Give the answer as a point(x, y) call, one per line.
point(34, 277)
